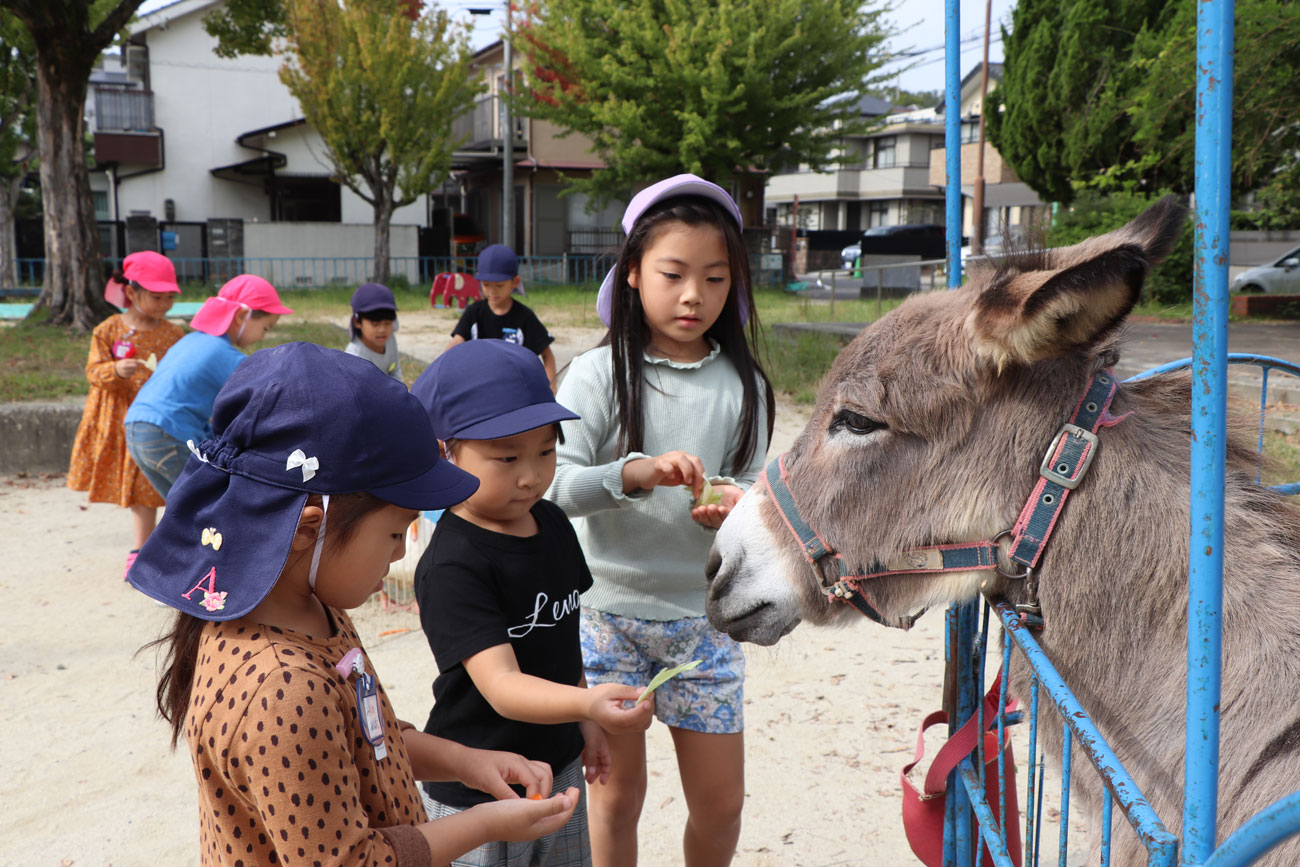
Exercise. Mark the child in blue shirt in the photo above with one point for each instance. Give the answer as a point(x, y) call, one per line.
point(174, 406)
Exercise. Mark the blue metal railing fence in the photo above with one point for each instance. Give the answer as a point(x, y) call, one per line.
point(319, 272)
point(965, 642)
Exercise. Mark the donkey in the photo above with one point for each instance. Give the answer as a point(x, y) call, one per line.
point(929, 430)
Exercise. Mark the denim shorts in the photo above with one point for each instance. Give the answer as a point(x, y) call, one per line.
point(708, 699)
point(160, 457)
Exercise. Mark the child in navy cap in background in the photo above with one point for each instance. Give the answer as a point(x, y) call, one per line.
point(499, 316)
point(288, 515)
point(498, 589)
point(374, 321)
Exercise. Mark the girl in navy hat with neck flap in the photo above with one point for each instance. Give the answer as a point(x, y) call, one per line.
point(289, 515)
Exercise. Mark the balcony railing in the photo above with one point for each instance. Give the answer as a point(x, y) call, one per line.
point(118, 110)
point(482, 125)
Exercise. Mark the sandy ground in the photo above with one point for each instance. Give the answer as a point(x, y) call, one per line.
point(87, 778)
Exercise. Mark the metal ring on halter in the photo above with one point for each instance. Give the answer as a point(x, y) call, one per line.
point(1029, 570)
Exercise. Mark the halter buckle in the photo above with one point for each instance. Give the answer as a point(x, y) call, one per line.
point(1048, 470)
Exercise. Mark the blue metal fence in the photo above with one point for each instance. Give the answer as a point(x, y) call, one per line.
point(319, 272)
point(967, 638)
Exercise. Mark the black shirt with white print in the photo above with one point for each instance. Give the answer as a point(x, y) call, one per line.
point(519, 325)
point(478, 589)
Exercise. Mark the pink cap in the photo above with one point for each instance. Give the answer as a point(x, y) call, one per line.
point(245, 292)
point(153, 271)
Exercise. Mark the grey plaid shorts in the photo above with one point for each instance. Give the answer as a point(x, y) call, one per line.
point(568, 847)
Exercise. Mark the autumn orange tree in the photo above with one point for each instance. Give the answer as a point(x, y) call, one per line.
point(381, 82)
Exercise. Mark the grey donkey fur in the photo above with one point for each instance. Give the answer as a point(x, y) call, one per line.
point(929, 429)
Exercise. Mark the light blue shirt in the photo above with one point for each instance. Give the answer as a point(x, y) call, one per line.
point(178, 397)
point(645, 553)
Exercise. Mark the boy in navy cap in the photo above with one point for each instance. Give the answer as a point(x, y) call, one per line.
point(498, 590)
point(374, 319)
point(498, 315)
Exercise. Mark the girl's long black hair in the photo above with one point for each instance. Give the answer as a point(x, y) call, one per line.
point(628, 334)
point(180, 646)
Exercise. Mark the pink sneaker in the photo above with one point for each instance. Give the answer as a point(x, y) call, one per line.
point(130, 559)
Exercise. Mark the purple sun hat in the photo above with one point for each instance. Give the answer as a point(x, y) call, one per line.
point(291, 421)
point(677, 185)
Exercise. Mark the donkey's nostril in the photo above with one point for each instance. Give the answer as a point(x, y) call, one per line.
point(712, 564)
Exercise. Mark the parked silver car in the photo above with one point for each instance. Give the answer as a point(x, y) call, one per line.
point(1281, 276)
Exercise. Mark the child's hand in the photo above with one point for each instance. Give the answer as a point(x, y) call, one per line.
point(493, 771)
point(525, 819)
point(126, 367)
point(671, 468)
point(607, 709)
point(713, 515)
point(595, 753)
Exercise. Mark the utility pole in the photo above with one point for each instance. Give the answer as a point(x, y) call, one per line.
point(977, 200)
point(508, 140)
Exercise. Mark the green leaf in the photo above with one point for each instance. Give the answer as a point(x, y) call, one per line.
point(666, 675)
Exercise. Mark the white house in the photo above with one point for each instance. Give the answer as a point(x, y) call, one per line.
point(184, 137)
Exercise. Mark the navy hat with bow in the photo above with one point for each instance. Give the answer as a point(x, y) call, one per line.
point(291, 421)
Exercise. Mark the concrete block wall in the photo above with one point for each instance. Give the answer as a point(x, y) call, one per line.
point(38, 435)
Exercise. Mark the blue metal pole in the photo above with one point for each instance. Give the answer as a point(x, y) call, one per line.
point(952, 136)
point(1214, 38)
point(1264, 830)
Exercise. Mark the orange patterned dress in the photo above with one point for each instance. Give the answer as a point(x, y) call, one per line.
point(100, 463)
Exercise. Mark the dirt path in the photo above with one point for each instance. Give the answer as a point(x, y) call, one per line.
point(87, 778)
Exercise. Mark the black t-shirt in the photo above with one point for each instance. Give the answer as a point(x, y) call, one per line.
point(478, 589)
point(519, 325)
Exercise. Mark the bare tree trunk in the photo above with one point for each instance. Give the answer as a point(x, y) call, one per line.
point(383, 206)
point(74, 270)
point(66, 48)
point(9, 189)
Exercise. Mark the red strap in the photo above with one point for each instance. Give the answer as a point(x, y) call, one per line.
point(960, 745)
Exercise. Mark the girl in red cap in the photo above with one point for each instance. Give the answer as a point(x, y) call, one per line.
point(175, 406)
point(124, 349)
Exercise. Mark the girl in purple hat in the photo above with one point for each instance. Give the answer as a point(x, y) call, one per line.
point(124, 350)
point(673, 397)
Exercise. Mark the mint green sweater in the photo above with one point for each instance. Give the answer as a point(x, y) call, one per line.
point(645, 553)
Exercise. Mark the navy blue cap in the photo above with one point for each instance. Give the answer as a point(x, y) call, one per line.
point(497, 264)
point(368, 298)
point(485, 390)
point(292, 420)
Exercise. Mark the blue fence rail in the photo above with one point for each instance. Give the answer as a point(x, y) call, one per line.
point(966, 841)
point(319, 272)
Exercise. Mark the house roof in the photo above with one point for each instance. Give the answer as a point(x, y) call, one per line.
point(161, 17)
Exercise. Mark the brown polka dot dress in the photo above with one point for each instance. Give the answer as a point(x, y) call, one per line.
point(100, 464)
point(285, 773)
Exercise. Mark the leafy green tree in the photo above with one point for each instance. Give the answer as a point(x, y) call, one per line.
point(246, 26)
point(720, 88)
point(17, 133)
point(382, 90)
point(68, 36)
point(1059, 57)
point(1102, 94)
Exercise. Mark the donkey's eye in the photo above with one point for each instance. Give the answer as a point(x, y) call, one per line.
point(856, 423)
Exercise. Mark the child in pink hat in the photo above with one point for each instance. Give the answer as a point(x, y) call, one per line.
point(175, 407)
point(123, 351)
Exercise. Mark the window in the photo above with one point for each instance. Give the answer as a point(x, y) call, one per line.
point(883, 155)
point(878, 214)
point(100, 198)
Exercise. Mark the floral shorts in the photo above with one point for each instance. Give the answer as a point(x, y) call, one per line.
point(709, 698)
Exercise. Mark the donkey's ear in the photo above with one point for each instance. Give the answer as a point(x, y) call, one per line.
point(1075, 296)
